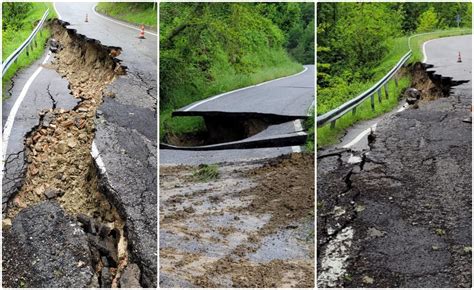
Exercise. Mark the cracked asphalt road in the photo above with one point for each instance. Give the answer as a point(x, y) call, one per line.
point(46, 91)
point(289, 97)
point(402, 216)
point(126, 135)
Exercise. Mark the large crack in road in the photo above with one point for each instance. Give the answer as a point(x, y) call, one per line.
point(61, 229)
point(400, 216)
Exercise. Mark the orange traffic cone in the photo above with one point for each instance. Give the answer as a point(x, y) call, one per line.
point(87, 19)
point(459, 57)
point(141, 35)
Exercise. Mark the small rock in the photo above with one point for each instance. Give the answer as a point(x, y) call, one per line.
point(6, 223)
point(412, 95)
point(368, 280)
point(72, 143)
point(67, 123)
point(106, 278)
point(62, 147)
point(34, 170)
point(130, 277)
point(374, 233)
point(359, 208)
point(51, 193)
point(435, 248)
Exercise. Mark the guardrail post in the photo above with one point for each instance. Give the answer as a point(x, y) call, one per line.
point(333, 124)
point(379, 93)
point(385, 87)
point(354, 111)
point(396, 82)
point(372, 101)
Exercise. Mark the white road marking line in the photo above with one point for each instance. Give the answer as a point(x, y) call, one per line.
point(296, 149)
point(96, 155)
point(241, 89)
point(299, 130)
point(57, 13)
point(425, 56)
point(11, 117)
point(360, 136)
point(123, 24)
point(298, 125)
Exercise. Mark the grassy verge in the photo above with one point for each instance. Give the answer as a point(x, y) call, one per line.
point(226, 82)
point(327, 136)
point(12, 39)
point(309, 126)
point(137, 13)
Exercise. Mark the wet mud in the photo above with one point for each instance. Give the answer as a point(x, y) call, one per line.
point(251, 227)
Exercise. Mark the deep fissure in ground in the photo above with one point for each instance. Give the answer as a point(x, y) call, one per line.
point(221, 127)
point(58, 154)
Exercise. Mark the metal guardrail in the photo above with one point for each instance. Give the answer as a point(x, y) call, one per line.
point(25, 45)
point(333, 115)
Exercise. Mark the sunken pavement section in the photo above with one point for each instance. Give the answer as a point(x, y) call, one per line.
point(70, 221)
point(402, 216)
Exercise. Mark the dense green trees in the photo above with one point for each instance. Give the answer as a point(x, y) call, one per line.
point(355, 38)
point(204, 44)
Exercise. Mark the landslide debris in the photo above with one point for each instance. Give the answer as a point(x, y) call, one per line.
point(252, 227)
point(61, 171)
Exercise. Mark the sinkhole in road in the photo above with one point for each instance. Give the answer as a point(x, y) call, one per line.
point(226, 127)
point(60, 167)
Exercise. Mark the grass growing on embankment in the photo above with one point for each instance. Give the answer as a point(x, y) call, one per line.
point(14, 35)
point(399, 47)
point(211, 48)
point(137, 13)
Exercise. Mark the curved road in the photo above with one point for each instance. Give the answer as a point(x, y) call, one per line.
point(403, 216)
point(445, 63)
point(288, 97)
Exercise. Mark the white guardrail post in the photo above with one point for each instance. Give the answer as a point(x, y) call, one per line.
point(31, 40)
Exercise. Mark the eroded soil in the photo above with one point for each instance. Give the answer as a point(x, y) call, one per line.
point(252, 227)
point(61, 170)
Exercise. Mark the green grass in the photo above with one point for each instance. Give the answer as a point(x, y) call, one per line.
point(309, 127)
point(11, 40)
point(205, 173)
point(226, 82)
point(137, 13)
point(399, 47)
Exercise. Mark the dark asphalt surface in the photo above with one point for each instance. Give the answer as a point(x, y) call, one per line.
point(126, 135)
point(290, 96)
point(48, 89)
point(402, 217)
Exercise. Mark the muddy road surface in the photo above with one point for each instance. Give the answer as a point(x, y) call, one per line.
point(252, 226)
point(79, 180)
point(400, 215)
